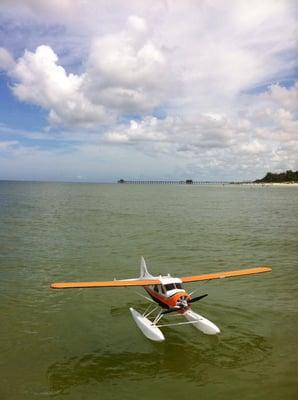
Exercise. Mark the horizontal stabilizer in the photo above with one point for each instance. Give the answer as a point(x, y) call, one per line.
point(115, 283)
point(226, 274)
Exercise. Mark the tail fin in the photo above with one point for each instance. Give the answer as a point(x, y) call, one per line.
point(143, 269)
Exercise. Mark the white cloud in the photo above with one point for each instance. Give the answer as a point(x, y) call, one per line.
point(282, 97)
point(41, 81)
point(265, 137)
point(126, 71)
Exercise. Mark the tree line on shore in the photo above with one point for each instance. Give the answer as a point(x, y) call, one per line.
point(288, 176)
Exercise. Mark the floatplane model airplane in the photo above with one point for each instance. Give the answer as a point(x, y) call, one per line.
point(170, 296)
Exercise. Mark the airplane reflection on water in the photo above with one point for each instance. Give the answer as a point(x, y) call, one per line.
point(164, 359)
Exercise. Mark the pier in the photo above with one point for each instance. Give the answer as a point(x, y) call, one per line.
point(175, 182)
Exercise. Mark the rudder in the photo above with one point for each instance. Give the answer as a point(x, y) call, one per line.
point(143, 269)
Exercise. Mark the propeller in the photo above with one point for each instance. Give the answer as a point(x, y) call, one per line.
point(184, 304)
point(197, 298)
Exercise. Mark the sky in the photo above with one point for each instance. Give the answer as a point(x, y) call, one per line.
point(98, 90)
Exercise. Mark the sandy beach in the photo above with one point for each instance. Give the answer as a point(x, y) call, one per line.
point(272, 184)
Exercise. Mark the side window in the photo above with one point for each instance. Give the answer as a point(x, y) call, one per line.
point(156, 288)
point(178, 286)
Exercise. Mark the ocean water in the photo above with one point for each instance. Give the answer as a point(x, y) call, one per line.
point(83, 343)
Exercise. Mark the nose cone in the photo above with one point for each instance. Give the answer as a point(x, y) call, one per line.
point(182, 302)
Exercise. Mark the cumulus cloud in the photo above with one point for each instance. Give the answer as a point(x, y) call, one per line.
point(286, 98)
point(203, 131)
point(40, 80)
point(215, 139)
point(126, 71)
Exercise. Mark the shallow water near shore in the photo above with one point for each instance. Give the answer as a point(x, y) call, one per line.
point(83, 344)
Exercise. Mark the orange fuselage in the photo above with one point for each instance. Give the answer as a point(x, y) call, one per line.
point(165, 300)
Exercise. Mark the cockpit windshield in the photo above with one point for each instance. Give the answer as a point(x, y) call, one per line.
point(172, 286)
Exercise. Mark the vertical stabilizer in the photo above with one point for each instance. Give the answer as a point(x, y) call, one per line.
point(143, 269)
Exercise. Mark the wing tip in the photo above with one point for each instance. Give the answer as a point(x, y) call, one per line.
point(265, 268)
point(55, 286)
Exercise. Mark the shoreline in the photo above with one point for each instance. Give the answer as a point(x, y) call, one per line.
point(270, 184)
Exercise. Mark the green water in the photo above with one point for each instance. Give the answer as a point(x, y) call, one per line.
point(83, 344)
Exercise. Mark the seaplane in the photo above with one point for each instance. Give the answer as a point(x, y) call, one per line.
point(168, 295)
